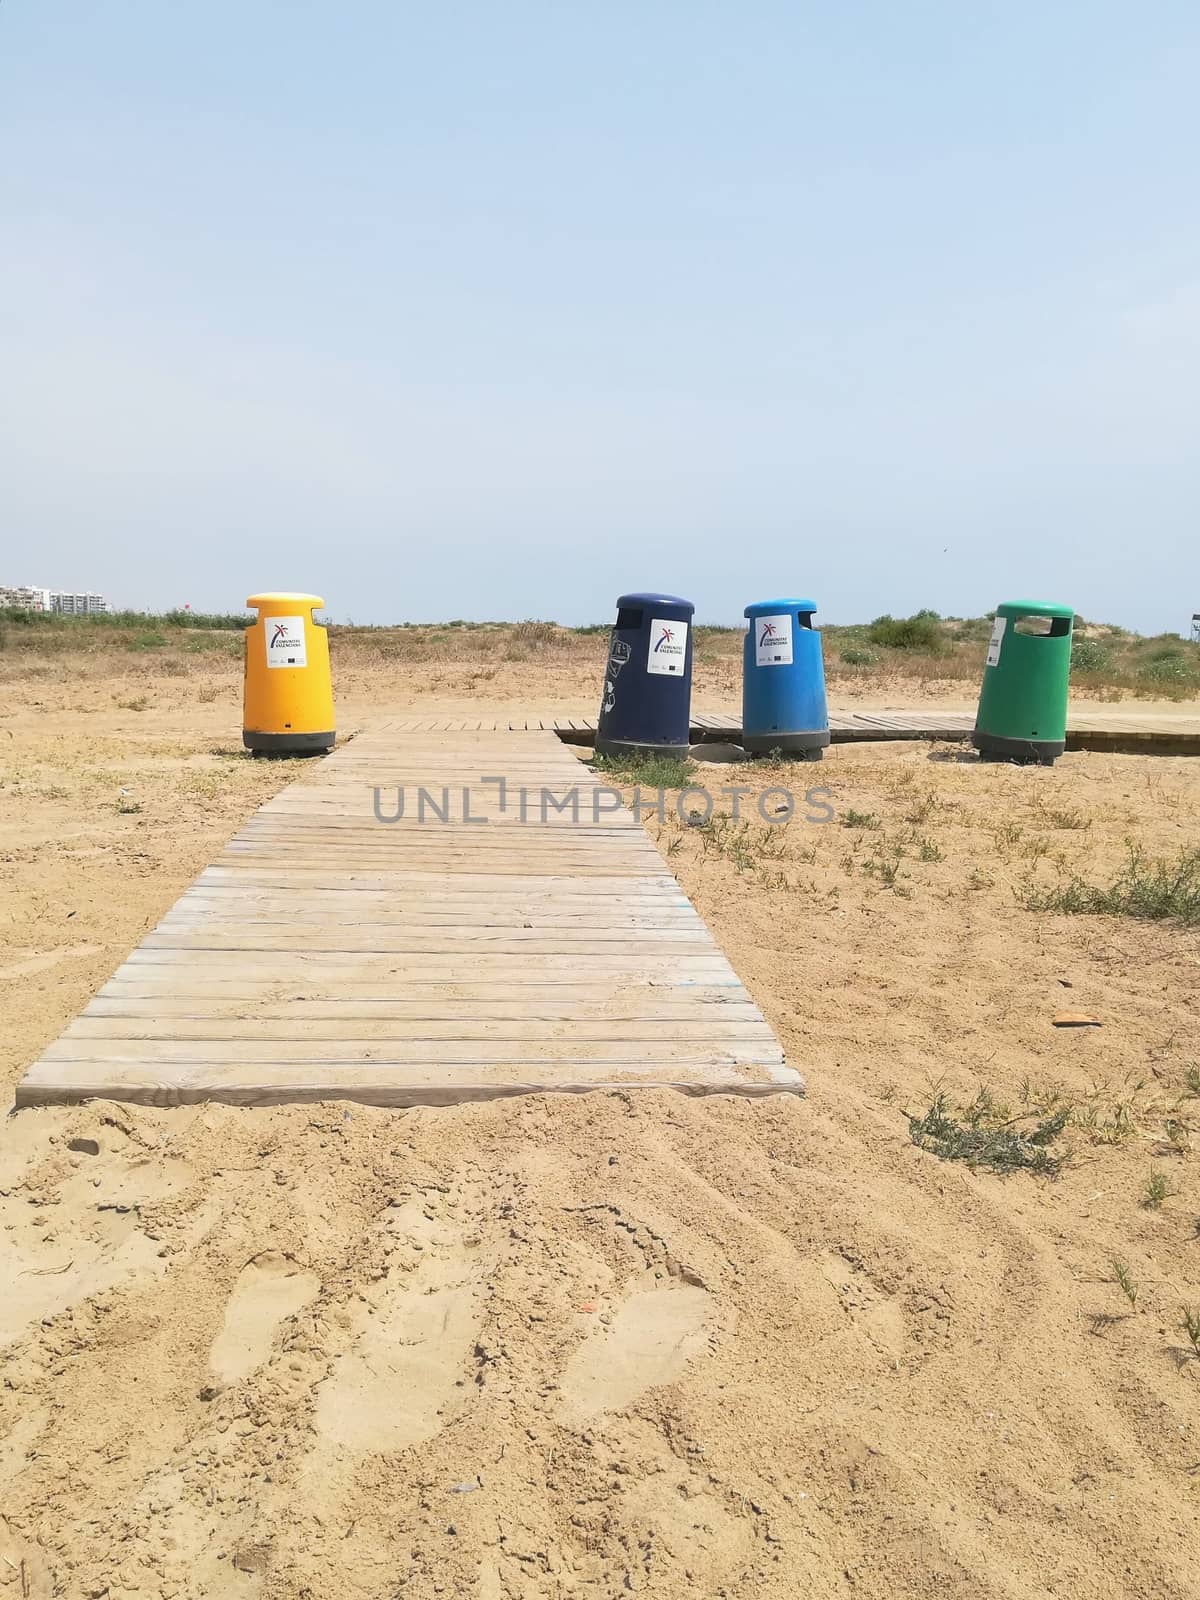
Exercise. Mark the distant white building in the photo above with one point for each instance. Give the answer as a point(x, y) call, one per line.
point(26, 599)
point(77, 605)
point(67, 603)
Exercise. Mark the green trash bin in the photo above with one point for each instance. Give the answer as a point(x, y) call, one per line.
point(1023, 702)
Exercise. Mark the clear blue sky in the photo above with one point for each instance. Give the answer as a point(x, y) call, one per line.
point(498, 309)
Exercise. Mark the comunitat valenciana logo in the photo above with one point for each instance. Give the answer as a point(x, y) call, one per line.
point(664, 638)
point(285, 642)
point(769, 634)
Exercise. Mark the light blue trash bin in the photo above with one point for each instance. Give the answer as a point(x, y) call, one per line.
point(783, 680)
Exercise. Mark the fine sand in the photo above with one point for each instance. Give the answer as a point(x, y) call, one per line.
point(625, 1343)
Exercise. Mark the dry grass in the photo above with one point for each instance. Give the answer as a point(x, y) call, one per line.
point(936, 655)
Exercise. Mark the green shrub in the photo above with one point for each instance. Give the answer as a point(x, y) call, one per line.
point(855, 656)
point(919, 633)
point(986, 1137)
point(1089, 655)
point(1169, 667)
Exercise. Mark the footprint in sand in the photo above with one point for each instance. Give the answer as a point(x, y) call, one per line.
point(269, 1289)
point(655, 1333)
point(399, 1381)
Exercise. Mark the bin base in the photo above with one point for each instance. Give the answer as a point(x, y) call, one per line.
point(805, 746)
point(637, 749)
point(1025, 752)
point(288, 744)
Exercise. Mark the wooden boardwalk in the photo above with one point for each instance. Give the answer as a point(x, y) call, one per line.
point(329, 955)
point(1121, 729)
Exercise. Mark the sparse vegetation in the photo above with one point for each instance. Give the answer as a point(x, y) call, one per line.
point(743, 843)
point(860, 819)
point(1125, 1281)
point(983, 1134)
point(648, 772)
point(1106, 661)
point(1153, 889)
point(1158, 1188)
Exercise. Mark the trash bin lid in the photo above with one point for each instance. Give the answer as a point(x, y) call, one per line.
point(761, 608)
point(284, 597)
point(653, 600)
point(1033, 608)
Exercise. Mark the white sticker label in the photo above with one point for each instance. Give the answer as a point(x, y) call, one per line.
point(773, 640)
point(668, 647)
point(994, 643)
point(285, 641)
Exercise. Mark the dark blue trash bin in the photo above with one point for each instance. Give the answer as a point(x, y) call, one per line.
point(647, 704)
point(783, 680)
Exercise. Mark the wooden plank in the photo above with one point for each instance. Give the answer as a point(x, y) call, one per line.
point(428, 1052)
point(409, 1030)
point(284, 963)
point(55, 1083)
point(601, 1010)
point(462, 942)
point(167, 985)
point(1098, 729)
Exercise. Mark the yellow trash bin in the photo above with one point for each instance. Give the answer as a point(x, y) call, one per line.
point(288, 700)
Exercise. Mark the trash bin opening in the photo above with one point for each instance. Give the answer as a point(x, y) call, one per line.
point(1043, 627)
point(629, 617)
point(804, 619)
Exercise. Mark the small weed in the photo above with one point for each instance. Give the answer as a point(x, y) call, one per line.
point(128, 808)
point(1191, 1328)
point(860, 819)
point(889, 1094)
point(1125, 1281)
point(1191, 1079)
point(1043, 1097)
point(921, 810)
point(1158, 1187)
point(1177, 1137)
point(982, 1141)
point(928, 851)
point(773, 880)
point(885, 871)
point(1063, 817)
point(977, 878)
point(675, 845)
point(139, 703)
